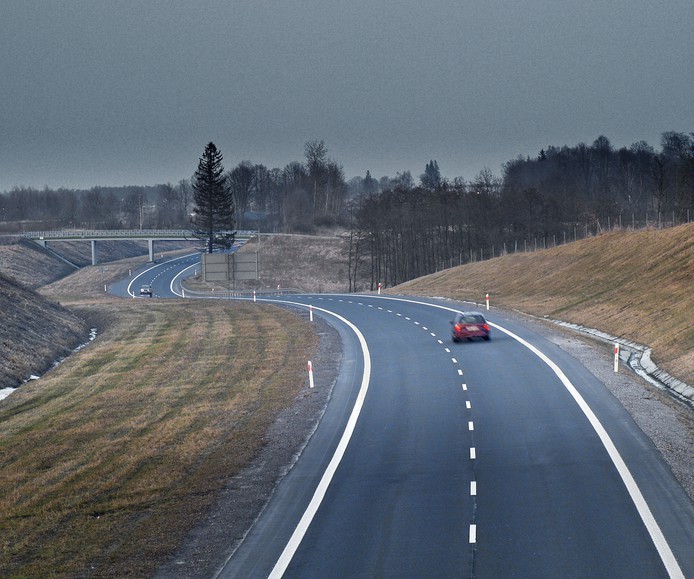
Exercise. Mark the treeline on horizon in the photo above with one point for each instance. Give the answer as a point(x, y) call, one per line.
point(401, 228)
point(562, 194)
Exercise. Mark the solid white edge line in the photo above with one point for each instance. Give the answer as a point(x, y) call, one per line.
point(661, 544)
point(180, 273)
point(666, 555)
point(296, 538)
point(154, 267)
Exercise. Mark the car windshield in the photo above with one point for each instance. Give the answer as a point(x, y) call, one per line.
point(470, 319)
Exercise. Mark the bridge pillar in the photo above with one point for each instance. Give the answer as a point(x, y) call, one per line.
point(150, 242)
point(95, 253)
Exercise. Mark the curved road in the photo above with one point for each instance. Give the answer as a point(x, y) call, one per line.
point(164, 277)
point(479, 459)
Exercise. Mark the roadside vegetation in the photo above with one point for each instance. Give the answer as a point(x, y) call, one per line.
point(309, 263)
point(34, 332)
point(109, 460)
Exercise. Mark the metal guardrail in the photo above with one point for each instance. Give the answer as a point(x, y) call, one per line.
point(239, 294)
point(86, 234)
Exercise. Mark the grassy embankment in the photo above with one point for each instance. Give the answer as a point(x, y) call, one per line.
point(109, 459)
point(304, 262)
point(637, 285)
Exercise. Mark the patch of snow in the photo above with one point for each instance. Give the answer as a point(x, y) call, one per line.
point(5, 392)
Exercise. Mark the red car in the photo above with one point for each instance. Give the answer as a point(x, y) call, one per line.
point(468, 325)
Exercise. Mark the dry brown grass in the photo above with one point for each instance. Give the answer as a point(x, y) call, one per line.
point(30, 264)
point(33, 332)
point(108, 460)
point(304, 262)
point(638, 285)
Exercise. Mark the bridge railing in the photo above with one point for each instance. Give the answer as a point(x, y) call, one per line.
point(121, 233)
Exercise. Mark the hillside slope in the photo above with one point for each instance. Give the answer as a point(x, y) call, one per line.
point(305, 262)
point(637, 285)
point(30, 264)
point(34, 332)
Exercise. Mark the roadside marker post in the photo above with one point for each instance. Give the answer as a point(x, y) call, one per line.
point(616, 357)
point(310, 374)
point(253, 296)
point(379, 288)
point(310, 312)
point(487, 299)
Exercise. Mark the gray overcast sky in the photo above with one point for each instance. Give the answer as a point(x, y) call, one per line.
point(121, 92)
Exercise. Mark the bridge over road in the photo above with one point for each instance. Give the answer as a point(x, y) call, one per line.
point(96, 235)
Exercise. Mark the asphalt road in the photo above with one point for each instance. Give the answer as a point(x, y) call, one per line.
point(469, 460)
point(164, 278)
point(479, 459)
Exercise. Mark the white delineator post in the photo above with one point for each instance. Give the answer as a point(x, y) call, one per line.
point(310, 312)
point(253, 296)
point(379, 288)
point(487, 299)
point(310, 374)
point(616, 357)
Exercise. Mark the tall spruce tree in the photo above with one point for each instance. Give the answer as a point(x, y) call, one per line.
point(431, 178)
point(213, 214)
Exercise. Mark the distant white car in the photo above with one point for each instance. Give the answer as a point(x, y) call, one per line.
point(146, 290)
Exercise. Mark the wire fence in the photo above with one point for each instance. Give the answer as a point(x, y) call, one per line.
point(577, 232)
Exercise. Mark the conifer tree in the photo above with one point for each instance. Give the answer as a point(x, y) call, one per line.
point(213, 214)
